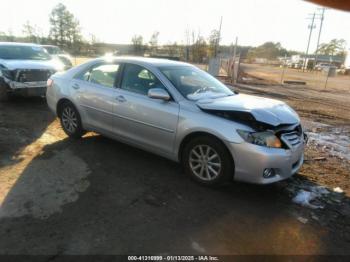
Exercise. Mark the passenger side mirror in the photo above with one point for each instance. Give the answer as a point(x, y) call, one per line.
point(234, 89)
point(159, 93)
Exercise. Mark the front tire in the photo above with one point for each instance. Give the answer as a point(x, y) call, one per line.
point(71, 121)
point(207, 161)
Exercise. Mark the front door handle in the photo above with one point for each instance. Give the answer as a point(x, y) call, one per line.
point(76, 86)
point(120, 99)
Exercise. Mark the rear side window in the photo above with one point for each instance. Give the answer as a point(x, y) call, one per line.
point(104, 74)
point(84, 76)
point(139, 79)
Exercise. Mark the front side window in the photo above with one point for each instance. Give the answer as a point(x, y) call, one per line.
point(139, 79)
point(101, 74)
point(53, 50)
point(195, 84)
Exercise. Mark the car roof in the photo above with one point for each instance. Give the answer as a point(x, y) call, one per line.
point(18, 44)
point(158, 62)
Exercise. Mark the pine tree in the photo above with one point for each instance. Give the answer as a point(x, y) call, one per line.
point(65, 30)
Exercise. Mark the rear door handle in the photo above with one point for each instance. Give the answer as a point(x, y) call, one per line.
point(120, 99)
point(76, 86)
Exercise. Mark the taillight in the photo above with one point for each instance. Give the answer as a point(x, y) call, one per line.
point(49, 82)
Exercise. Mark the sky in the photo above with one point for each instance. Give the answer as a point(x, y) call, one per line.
point(252, 21)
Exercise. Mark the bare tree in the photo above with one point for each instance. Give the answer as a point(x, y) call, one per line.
point(31, 32)
point(154, 42)
point(214, 40)
point(137, 42)
point(197, 48)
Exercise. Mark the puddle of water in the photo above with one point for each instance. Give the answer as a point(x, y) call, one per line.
point(334, 140)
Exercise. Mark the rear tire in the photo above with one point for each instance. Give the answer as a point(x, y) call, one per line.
point(207, 161)
point(71, 121)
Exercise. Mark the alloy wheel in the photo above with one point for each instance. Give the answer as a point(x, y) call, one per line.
point(205, 162)
point(69, 119)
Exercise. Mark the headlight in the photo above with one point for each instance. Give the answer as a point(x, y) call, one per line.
point(59, 66)
point(66, 61)
point(266, 138)
point(7, 73)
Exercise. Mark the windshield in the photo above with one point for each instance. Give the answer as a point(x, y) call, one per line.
point(195, 84)
point(53, 50)
point(15, 52)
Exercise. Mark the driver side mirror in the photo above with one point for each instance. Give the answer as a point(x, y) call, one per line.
point(159, 93)
point(234, 89)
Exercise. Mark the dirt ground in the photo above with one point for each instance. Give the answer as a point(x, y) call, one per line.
point(98, 196)
point(315, 80)
point(80, 59)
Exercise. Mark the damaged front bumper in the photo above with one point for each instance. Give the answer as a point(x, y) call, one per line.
point(37, 88)
point(252, 160)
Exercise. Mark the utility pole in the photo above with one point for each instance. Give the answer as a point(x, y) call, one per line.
point(284, 68)
point(308, 43)
point(187, 35)
point(235, 48)
point(218, 39)
point(233, 64)
point(319, 35)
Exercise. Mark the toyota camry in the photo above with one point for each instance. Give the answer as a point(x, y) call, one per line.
point(180, 112)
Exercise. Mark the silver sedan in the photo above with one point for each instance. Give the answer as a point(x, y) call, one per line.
point(180, 112)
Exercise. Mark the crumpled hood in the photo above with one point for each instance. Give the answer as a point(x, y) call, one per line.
point(53, 64)
point(265, 110)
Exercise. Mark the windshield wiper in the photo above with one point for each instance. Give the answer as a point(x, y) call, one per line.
point(201, 90)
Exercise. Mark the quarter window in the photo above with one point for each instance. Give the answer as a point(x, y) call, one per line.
point(139, 79)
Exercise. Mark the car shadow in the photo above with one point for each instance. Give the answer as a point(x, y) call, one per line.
point(16, 116)
point(98, 196)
